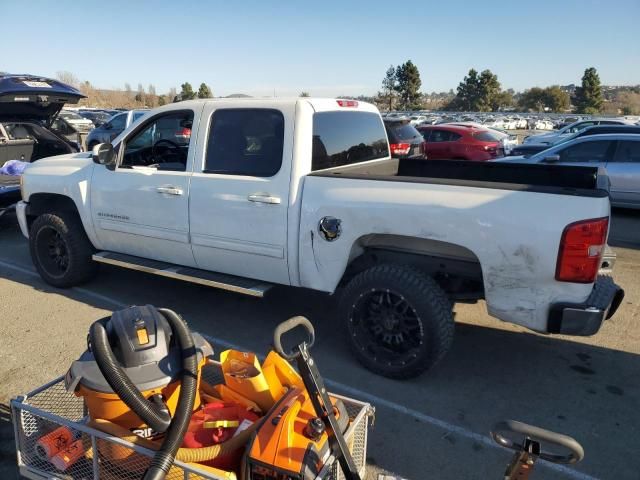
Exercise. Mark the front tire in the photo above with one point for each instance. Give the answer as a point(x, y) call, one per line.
point(399, 320)
point(60, 249)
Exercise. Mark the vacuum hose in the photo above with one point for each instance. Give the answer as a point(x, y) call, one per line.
point(158, 419)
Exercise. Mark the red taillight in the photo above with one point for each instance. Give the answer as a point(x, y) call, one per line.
point(347, 103)
point(400, 148)
point(581, 249)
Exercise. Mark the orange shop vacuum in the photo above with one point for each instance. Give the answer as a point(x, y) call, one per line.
point(141, 371)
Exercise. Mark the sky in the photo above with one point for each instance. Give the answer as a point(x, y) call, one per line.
point(326, 48)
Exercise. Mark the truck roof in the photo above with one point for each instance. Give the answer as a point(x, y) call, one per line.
point(317, 103)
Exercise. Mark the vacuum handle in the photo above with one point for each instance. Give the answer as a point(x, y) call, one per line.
point(287, 326)
point(576, 452)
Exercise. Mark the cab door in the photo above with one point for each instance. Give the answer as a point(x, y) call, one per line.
point(142, 207)
point(240, 190)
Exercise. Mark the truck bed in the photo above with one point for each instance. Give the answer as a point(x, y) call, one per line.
point(556, 179)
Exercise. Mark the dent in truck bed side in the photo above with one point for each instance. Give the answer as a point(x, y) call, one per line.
point(514, 234)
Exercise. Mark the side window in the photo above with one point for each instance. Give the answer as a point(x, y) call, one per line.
point(581, 126)
point(454, 137)
point(439, 136)
point(587, 152)
point(245, 141)
point(161, 143)
point(137, 115)
point(425, 134)
point(119, 121)
point(628, 152)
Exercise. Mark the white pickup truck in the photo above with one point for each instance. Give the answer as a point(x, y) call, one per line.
point(244, 194)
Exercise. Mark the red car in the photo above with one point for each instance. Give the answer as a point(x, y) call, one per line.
point(458, 142)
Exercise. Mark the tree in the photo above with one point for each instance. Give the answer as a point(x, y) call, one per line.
point(187, 92)
point(162, 100)
point(152, 98)
point(467, 96)
point(304, 94)
point(408, 84)
point(533, 99)
point(127, 89)
point(588, 97)
point(557, 100)
point(204, 91)
point(389, 85)
point(488, 90)
point(68, 78)
point(140, 96)
point(502, 100)
point(480, 93)
point(172, 95)
point(542, 99)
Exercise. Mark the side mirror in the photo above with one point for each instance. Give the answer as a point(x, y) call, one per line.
point(551, 159)
point(103, 154)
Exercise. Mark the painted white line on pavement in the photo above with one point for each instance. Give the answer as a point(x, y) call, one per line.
point(356, 393)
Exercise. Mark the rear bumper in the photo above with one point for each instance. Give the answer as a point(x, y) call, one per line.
point(586, 318)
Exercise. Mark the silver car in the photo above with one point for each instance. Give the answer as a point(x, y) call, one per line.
point(618, 153)
point(555, 137)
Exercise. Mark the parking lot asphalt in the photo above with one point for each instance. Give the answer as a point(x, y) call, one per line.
point(435, 426)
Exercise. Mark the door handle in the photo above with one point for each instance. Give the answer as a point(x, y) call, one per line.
point(170, 190)
point(260, 198)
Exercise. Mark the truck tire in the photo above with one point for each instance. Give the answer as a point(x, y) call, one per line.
point(60, 249)
point(399, 320)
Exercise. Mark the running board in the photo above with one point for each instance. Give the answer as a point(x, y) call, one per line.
point(246, 286)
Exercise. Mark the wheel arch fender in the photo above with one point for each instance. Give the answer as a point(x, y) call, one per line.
point(41, 203)
point(429, 255)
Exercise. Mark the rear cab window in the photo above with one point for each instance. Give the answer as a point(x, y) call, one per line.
point(344, 138)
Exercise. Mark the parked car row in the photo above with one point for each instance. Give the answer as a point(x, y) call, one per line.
point(617, 153)
point(502, 120)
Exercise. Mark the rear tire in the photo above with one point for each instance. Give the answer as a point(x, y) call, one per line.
point(399, 321)
point(60, 249)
